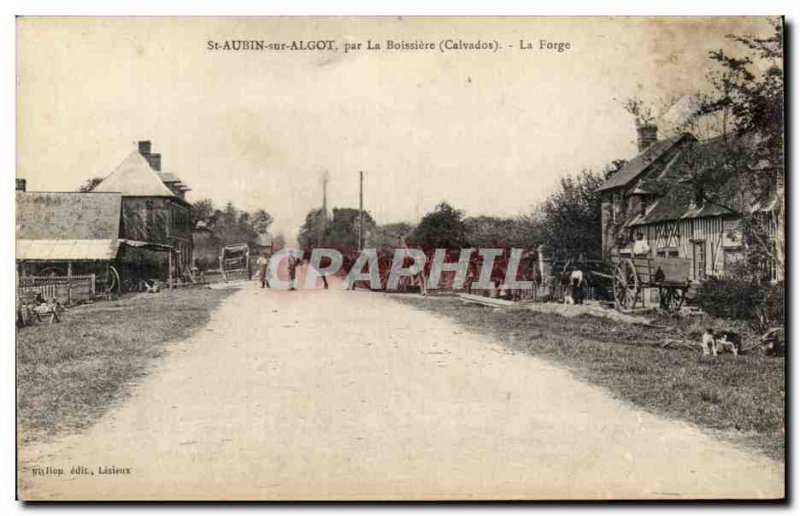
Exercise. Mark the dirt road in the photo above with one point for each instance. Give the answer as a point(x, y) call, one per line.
point(351, 395)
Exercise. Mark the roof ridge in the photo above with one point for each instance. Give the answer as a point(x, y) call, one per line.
point(135, 176)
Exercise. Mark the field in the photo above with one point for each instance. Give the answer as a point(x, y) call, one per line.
point(737, 398)
point(69, 373)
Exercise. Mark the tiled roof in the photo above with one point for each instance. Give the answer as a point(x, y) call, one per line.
point(679, 202)
point(635, 167)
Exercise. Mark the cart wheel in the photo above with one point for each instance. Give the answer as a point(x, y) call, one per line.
point(626, 285)
point(114, 282)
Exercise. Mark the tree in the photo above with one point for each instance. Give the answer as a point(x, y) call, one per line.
point(747, 96)
point(497, 232)
point(313, 231)
point(614, 167)
point(389, 235)
point(90, 184)
point(338, 232)
point(261, 221)
point(442, 228)
point(202, 210)
point(342, 232)
point(570, 218)
point(643, 114)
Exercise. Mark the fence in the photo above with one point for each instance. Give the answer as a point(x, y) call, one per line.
point(66, 290)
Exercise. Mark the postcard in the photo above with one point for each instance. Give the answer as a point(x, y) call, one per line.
point(400, 258)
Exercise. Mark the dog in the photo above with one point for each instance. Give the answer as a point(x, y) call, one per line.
point(714, 343)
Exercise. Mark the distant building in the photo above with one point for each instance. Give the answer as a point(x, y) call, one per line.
point(652, 195)
point(264, 242)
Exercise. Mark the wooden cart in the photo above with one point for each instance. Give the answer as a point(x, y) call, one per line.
point(632, 274)
point(234, 262)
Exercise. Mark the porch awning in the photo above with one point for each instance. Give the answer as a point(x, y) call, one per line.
point(67, 249)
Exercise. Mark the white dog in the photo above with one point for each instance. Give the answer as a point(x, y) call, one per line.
point(716, 342)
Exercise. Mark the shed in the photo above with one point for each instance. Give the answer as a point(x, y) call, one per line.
point(61, 226)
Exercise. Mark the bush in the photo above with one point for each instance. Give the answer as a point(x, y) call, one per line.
point(735, 298)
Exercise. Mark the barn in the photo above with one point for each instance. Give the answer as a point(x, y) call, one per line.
point(68, 235)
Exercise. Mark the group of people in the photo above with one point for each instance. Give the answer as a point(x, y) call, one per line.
point(293, 264)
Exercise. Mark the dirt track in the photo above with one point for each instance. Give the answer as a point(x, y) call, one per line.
point(350, 395)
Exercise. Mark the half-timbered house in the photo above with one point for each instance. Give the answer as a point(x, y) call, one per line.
point(652, 196)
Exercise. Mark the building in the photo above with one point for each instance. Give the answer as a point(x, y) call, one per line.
point(651, 195)
point(60, 232)
point(155, 223)
point(134, 225)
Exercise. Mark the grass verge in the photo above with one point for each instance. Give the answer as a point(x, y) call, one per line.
point(741, 399)
point(70, 372)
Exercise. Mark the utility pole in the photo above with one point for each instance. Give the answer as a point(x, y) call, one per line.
point(325, 179)
point(360, 209)
point(322, 219)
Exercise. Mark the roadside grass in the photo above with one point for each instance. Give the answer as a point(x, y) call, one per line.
point(69, 373)
point(739, 398)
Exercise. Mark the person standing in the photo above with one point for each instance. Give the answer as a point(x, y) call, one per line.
point(262, 263)
point(640, 246)
point(324, 263)
point(294, 262)
point(577, 280)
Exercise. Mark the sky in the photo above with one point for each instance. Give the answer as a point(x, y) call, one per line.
point(489, 132)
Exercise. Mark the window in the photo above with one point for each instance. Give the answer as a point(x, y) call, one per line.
point(643, 205)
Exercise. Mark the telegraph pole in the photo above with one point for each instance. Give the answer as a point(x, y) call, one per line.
point(322, 219)
point(360, 209)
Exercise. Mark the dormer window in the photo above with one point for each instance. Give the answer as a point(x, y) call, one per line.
point(644, 204)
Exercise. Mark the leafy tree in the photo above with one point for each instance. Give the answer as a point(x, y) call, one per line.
point(497, 232)
point(261, 221)
point(389, 235)
point(442, 228)
point(747, 98)
point(339, 232)
point(202, 210)
point(570, 218)
point(342, 232)
point(231, 225)
point(90, 184)
point(313, 231)
point(614, 167)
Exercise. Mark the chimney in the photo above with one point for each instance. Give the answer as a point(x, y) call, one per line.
point(155, 162)
point(144, 148)
point(648, 135)
point(21, 184)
